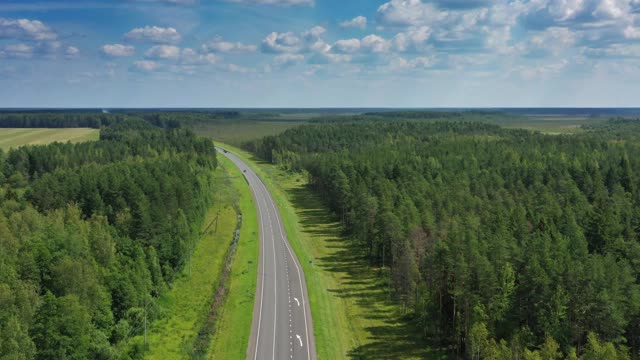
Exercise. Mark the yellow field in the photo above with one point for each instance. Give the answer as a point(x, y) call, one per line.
point(12, 138)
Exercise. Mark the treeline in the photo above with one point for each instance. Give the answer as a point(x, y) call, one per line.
point(501, 244)
point(91, 234)
point(58, 120)
point(96, 120)
point(484, 116)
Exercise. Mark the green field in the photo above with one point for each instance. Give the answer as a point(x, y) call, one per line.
point(353, 316)
point(11, 138)
point(240, 131)
point(551, 125)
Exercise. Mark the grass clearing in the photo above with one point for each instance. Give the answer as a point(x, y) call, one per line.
point(353, 316)
point(12, 138)
point(233, 328)
point(172, 336)
point(240, 131)
point(552, 125)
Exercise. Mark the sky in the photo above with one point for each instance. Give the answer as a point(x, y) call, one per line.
point(319, 53)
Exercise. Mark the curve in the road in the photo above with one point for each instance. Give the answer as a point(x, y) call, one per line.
point(282, 327)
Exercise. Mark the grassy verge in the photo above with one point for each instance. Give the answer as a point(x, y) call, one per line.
point(233, 327)
point(11, 138)
point(187, 302)
point(353, 316)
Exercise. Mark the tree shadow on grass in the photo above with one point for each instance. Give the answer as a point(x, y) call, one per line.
point(392, 335)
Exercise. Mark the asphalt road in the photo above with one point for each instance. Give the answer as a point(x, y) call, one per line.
point(282, 327)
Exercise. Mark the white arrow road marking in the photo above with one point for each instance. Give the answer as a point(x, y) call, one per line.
point(299, 339)
point(296, 299)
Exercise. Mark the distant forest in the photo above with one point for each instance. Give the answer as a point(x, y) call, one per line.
point(501, 244)
point(78, 119)
point(92, 234)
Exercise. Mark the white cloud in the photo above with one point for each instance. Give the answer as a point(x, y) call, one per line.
point(279, 43)
point(71, 52)
point(401, 64)
point(553, 40)
point(25, 29)
point(631, 32)
point(146, 65)
point(358, 22)
point(415, 38)
point(314, 33)
point(237, 69)
point(276, 43)
point(118, 50)
point(17, 51)
point(541, 71)
point(563, 10)
point(612, 9)
point(614, 51)
point(375, 44)
point(288, 59)
point(498, 38)
point(192, 57)
point(328, 57)
point(163, 52)
point(221, 46)
point(347, 46)
point(408, 13)
point(154, 34)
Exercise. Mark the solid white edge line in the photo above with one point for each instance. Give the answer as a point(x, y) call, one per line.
point(263, 276)
point(275, 280)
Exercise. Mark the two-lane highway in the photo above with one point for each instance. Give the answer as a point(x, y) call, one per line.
point(282, 327)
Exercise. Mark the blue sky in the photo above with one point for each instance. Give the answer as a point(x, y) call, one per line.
point(319, 53)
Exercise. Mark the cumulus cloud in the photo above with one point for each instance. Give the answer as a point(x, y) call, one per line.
point(566, 9)
point(289, 42)
point(541, 71)
point(288, 59)
point(614, 51)
point(631, 32)
point(71, 52)
point(146, 65)
point(163, 52)
point(234, 68)
point(413, 39)
point(276, 43)
point(154, 34)
point(552, 40)
point(46, 49)
point(17, 51)
point(347, 46)
point(401, 64)
point(408, 13)
point(118, 50)
point(375, 44)
point(192, 57)
point(358, 22)
point(221, 46)
point(25, 29)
